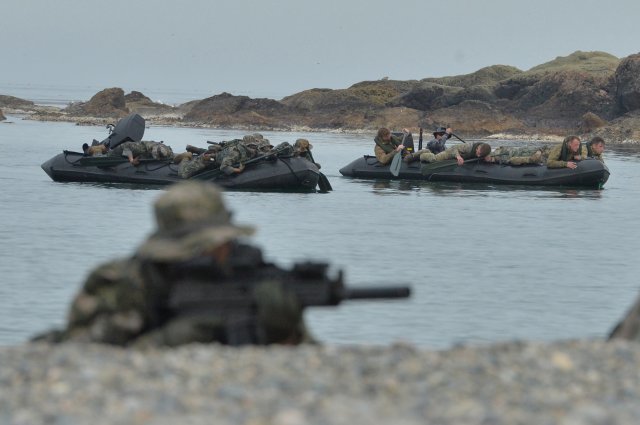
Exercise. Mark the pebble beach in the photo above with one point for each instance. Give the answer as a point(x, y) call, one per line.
point(563, 383)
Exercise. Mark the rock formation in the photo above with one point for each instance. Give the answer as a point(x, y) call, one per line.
point(587, 93)
point(106, 103)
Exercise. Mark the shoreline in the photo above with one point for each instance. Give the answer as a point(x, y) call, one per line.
point(517, 382)
point(175, 122)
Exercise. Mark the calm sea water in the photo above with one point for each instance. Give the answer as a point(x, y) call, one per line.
point(485, 263)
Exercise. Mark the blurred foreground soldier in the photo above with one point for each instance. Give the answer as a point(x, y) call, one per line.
point(629, 327)
point(137, 301)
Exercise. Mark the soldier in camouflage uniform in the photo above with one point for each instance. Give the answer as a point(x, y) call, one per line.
point(461, 153)
point(125, 302)
point(567, 153)
point(595, 148)
point(135, 151)
point(224, 155)
point(519, 155)
point(302, 148)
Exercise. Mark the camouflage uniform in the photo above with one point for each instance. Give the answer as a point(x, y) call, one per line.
point(190, 167)
point(302, 148)
point(520, 155)
point(125, 302)
point(466, 150)
point(385, 150)
point(143, 150)
point(234, 153)
point(558, 159)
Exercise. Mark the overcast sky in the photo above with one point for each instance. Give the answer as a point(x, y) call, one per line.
point(269, 48)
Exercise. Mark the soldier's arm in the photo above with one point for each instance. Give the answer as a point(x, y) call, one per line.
point(383, 157)
point(554, 158)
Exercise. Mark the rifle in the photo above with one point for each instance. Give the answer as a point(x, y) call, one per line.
point(234, 301)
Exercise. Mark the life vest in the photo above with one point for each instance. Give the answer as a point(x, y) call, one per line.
point(387, 147)
point(565, 153)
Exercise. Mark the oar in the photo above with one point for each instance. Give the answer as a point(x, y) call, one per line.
point(456, 136)
point(396, 163)
point(323, 181)
point(420, 140)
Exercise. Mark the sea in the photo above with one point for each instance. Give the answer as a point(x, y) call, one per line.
point(485, 263)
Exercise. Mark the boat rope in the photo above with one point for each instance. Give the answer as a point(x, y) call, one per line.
point(290, 169)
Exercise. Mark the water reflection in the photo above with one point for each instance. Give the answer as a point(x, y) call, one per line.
point(395, 187)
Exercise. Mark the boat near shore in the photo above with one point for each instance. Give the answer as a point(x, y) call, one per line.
point(280, 173)
point(273, 171)
point(590, 173)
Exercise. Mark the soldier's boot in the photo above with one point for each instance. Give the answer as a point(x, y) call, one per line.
point(519, 160)
point(409, 158)
point(427, 157)
point(185, 156)
point(196, 150)
point(536, 158)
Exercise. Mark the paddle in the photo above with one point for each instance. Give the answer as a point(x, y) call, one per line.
point(420, 140)
point(323, 181)
point(396, 163)
point(454, 135)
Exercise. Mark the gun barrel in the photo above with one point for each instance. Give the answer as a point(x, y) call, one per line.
point(377, 293)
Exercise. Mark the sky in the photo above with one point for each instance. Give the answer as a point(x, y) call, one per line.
point(270, 48)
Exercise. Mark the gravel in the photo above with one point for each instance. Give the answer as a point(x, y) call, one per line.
point(564, 382)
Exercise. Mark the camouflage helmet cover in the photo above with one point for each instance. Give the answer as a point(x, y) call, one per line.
point(192, 219)
point(302, 145)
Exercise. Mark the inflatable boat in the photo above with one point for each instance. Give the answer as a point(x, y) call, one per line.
point(590, 173)
point(271, 171)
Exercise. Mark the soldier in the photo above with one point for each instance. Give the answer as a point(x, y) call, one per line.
point(302, 148)
point(135, 151)
point(434, 146)
point(461, 153)
point(387, 145)
point(567, 153)
point(595, 148)
point(125, 302)
point(440, 137)
point(519, 155)
point(94, 150)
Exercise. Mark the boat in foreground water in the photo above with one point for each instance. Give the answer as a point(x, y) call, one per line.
point(590, 173)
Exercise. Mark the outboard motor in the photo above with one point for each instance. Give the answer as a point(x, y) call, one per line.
point(408, 142)
point(128, 128)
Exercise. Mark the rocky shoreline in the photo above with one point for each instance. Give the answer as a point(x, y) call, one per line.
point(585, 93)
point(563, 383)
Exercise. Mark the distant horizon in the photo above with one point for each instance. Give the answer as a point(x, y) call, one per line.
point(277, 48)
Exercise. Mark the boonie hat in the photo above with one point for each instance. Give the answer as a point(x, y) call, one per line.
point(192, 219)
point(439, 130)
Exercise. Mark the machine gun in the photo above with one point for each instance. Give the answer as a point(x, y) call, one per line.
point(233, 301)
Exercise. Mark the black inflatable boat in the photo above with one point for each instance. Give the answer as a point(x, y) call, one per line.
point(590, 173)
point(274, 172)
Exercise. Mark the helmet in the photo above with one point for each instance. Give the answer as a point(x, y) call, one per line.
point(191, 219)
